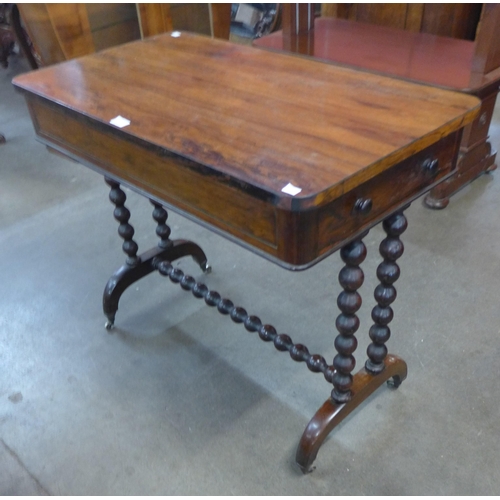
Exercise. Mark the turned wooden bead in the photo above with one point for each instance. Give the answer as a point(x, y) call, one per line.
point(126, 231)
point(253, 323)
point(282, 342)
point(165, 267)
point(176, 275)
point(329, 373)
point(160, 215)
point(385, 295)
point(382, 315)
point(130, 247)
point(380, 333)
point(353, 253)
point(187, 282)
point(351, 278)
point(395, 225)
point(299, 352)
point(346, 345)
point(342, 383)
point(347, 324)
point(344, 364)
point(391, 248)
point(377, 353)
point(121, 214)
point(212, 298)
point(117, 196)
point(225, 306)
point(267, 333)
point(388, 272)
point(200, 290)
point(349, 302)
point(316, 363)
point(163, 232)
point(238, 314)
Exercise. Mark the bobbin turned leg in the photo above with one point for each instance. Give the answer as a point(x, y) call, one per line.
point(349, 392)
point(388, 272)
point(138, 266)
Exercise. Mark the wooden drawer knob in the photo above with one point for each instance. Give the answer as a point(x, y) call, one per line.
point(431, 166)
point(363, 206)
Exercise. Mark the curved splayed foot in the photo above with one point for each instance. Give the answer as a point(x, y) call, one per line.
point(331, 413)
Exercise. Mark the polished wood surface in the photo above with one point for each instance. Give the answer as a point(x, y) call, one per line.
point(401, 40)
point(456, 20)
point(218, 136)
point(255, 118)
point(418, 57)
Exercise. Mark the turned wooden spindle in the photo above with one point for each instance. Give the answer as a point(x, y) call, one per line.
point(281, 341)
point(122, 215)
point(388, 272)
point(349, 301)
point(160, 215)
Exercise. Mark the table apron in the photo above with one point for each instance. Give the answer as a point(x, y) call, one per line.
point(295, 240)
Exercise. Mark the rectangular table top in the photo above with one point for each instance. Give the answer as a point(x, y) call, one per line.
point(251, 119)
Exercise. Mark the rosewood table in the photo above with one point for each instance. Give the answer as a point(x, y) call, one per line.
point(291, 158)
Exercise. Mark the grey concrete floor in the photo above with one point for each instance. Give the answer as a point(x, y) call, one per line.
point(179, 400)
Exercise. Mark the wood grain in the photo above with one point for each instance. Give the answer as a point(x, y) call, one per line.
point(214, 102)
point(217, 130)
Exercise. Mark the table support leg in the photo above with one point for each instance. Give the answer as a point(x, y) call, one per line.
point(138, 266)
point(351, 277)
point(388, 272)
point(349, 392)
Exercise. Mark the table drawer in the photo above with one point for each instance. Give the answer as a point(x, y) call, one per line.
point(366, 204)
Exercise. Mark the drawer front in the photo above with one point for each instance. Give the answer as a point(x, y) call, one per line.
point(366, 204)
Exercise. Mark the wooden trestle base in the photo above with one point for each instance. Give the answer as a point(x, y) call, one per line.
point(348, 391)
point(332, 413)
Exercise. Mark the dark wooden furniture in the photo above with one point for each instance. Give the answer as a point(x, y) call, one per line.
point(469, 66)
point(63, 31)
point(11, 31)
point(456, 20)
point(6, 34)
point(228, 135)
